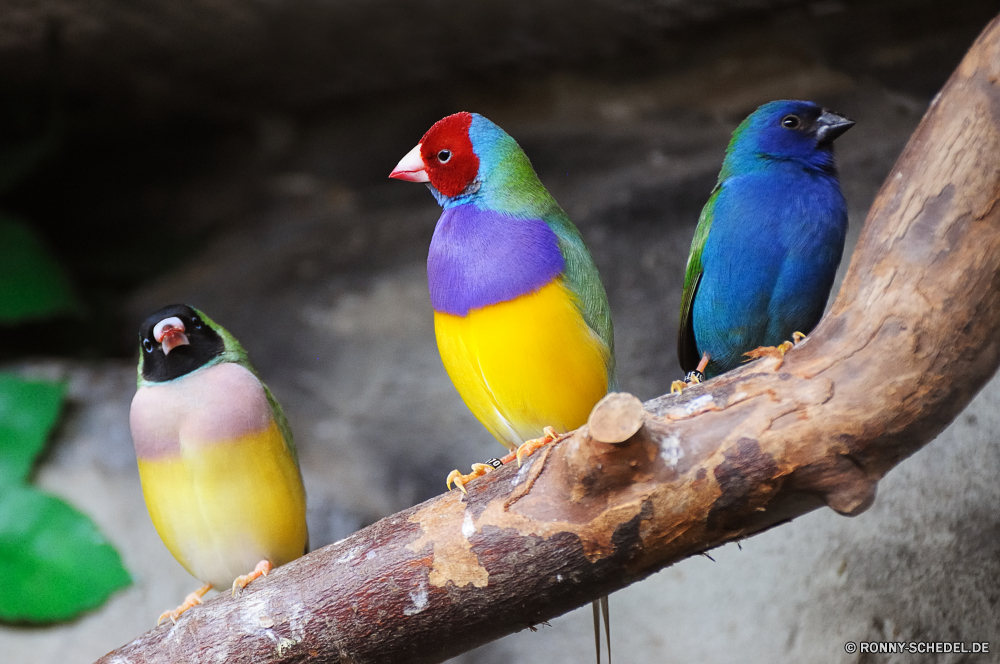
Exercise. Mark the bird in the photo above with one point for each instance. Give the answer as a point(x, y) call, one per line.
point(217, 462)
point(521, 317)
point(768, 241)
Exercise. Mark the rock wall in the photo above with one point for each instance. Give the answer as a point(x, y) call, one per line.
point(230, 53)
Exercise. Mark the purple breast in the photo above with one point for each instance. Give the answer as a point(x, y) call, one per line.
point(479, 257)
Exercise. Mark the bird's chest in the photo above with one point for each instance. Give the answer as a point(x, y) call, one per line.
point(479, 258)
point(525, 364)
point(220, 403)
point(764, 227)
point(769, 261)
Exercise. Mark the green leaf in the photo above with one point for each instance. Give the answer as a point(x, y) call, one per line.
point(32, 284)
point(55, 562)
point(28, 411)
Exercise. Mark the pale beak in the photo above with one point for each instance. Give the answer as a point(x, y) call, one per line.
point(169, 333)
point(411, 167)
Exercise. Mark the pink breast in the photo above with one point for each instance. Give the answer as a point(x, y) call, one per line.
point(212, 405)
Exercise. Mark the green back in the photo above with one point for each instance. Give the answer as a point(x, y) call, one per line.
point(510, 185)
point(584, 281)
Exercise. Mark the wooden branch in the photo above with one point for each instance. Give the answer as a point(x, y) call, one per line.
point(911, 338)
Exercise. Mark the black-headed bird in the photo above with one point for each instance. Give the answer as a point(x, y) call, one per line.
point(216, 459)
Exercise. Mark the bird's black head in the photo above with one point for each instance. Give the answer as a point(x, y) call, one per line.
point(174, 341)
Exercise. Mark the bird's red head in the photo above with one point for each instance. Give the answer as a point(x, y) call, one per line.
point(444, 157)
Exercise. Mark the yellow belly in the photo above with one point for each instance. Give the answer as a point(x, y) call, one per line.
point(223, 507)
point(525, 364)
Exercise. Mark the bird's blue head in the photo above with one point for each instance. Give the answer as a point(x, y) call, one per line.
point(786, 130)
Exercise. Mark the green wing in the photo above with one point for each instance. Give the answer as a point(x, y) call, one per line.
point(687, 350)
point(584, 280)
point(279, 417)
point(517, 191)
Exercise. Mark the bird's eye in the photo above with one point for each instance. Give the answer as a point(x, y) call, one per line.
point(196, 322)
point(148, 345)
point(444, 156)
point(790, 122)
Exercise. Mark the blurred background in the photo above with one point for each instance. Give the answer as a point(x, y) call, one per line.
point(234, 155)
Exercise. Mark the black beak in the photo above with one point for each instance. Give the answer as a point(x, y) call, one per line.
point(830, 125)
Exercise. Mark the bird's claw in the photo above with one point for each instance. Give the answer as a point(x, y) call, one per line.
point(455, 477)
point(262, 568)
point(777, 352)
point(530, 446)
point(478, 470)
point(690, 378)
point(526, 449)
point(193, 599)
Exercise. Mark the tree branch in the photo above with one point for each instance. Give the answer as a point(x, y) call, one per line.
point(909, 341)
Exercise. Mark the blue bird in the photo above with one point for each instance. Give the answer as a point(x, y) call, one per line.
point(768, 240)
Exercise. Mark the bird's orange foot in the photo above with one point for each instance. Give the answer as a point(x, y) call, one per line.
point(262, 568)
point(692, 377)
point(194, 599)
point(529, 447)
point(480, 469)
point(460, 480)
point(777, 352)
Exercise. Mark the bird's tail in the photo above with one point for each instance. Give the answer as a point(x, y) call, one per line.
point(601, 608)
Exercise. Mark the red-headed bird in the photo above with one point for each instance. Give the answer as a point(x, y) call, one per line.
point(520, 314)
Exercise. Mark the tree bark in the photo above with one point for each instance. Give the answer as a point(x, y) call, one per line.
point(912, 336)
